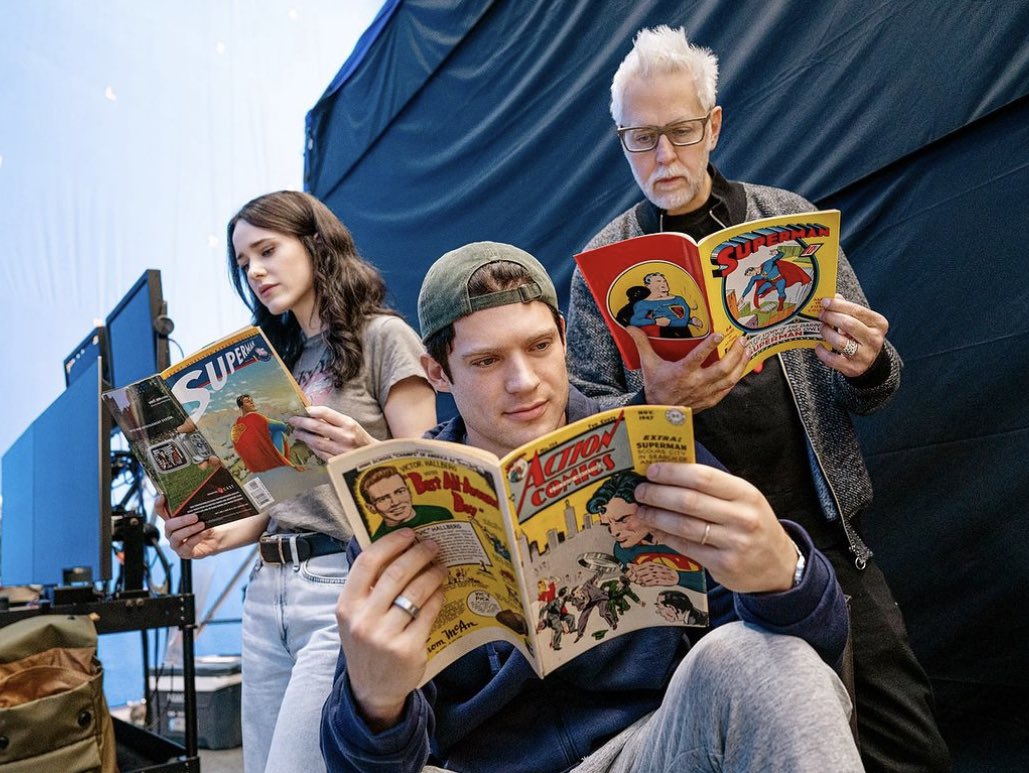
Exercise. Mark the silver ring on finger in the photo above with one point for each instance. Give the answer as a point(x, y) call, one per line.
point(707, 533)
point(404, 603)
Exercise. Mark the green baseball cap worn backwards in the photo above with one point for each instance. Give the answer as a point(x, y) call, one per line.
point(444, 295)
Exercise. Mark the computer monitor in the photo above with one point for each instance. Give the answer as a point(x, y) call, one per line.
point(57, 490)
point(82, 357)
point(137, 332)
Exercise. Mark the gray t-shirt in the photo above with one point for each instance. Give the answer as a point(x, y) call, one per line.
point(391, 352)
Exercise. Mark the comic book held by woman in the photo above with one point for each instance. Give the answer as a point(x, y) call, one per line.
point(211, 431)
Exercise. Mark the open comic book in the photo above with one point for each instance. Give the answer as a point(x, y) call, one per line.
point(542, 546)
point(211, 431)
point(763, 280)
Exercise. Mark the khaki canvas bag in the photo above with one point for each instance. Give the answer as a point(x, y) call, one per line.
point(53, 715)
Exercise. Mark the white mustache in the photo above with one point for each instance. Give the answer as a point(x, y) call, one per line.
point(675, 170)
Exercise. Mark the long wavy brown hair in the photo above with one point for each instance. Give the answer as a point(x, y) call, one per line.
point(348, 289)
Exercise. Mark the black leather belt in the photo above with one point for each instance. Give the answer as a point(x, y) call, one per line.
point(281, 548)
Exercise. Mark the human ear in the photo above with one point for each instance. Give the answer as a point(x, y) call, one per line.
point(714, 126)
point(435, 374)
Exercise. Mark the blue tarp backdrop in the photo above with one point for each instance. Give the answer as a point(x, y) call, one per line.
point(461, 121)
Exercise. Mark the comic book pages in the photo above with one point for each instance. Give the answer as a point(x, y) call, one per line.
point(542, 547)
point(176, 458)
point(763, 281)
point(211, 432)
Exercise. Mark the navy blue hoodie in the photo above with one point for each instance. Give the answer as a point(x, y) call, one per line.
point(490, 712)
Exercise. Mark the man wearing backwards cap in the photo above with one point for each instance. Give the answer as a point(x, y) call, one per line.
point(746, 697)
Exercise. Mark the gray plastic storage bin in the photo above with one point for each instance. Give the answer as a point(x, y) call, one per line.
point(219, 685)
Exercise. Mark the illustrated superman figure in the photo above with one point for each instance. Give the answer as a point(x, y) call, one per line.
point(260, 442)
point(773, 274)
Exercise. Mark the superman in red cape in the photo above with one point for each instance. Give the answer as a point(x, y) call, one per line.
point(260, 442)
point(774, 274)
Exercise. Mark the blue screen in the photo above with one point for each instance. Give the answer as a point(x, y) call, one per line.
point(94, 345)
point(56, 491)
point(16, 530)
point(130, 335)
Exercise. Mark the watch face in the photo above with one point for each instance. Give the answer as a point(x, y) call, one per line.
point(798, 573)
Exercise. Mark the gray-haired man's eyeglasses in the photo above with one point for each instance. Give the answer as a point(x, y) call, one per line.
point(639, 139)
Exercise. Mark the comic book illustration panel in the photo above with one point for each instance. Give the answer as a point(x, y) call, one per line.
point(660, 298)
point(457, 506)
point(161, 438)
point(770, 272)
point(596, 571)
point(240, 397)
point(608, 576)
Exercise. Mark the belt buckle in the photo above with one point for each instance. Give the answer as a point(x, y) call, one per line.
point(294, 553)
point(293, 548)
point(273, 551)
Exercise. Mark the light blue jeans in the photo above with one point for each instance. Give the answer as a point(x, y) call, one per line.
point(742, 700)
point(290, 646)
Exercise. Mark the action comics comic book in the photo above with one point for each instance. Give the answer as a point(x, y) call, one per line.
point(211, 431)
point(763, 281)
point(542, 547)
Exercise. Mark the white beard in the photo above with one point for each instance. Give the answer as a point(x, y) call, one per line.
point(671, 200)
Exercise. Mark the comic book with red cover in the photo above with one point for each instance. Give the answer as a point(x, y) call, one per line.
point(763, 281)
point(542, 547)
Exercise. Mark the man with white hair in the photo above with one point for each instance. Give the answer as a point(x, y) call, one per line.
point(785, 428)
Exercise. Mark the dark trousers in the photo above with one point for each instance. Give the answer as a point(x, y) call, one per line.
point(897, 730)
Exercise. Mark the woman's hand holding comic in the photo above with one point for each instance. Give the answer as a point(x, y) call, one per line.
point(328, 432)
point(187, 534)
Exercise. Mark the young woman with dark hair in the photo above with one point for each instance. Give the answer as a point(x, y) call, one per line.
point(296, 268)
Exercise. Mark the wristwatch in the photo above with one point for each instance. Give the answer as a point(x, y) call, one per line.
point(798, 573)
